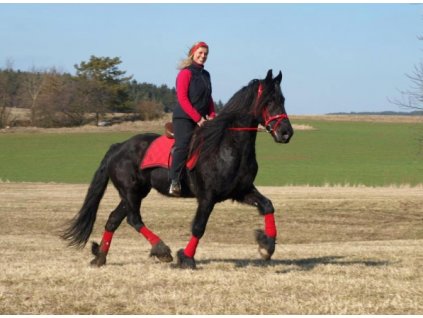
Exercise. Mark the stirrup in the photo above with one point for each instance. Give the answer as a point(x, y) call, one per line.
point(175, 189)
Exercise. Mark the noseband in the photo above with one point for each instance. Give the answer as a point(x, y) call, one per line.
point(267, 118)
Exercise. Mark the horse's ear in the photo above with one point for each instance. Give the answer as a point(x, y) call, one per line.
point(269, 76)
point(278, 79)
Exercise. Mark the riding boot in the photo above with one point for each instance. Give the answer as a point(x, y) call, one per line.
point(183, 130)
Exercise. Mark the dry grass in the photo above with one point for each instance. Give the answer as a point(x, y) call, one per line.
point(341, 250)
point(129, 126)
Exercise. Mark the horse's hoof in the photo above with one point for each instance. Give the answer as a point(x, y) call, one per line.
point(162, 252)
point(266, 245)
point(184, 261)
point(95, 248)
point(100, 257)
point(99, 260)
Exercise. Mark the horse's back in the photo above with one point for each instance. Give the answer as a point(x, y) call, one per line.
point(132, 149)
point(141, 142)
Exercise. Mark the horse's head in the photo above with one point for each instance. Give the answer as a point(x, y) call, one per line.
point(270, 108)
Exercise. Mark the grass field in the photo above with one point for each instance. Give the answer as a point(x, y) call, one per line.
point(371, 153)
point(340, 250)
point(368, 153)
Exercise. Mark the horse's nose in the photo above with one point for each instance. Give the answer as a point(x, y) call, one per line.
point(287, 135)
point(286, 138)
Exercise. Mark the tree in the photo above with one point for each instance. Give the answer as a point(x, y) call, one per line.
point(103, 69)
point(72, 102)
point(58, 99)
point(34, 82)
point(4, 100)
point(60, 102)
point(149, 110)
point(107, 85)
point(413, 97)
point(144, 91)
point(9, 93)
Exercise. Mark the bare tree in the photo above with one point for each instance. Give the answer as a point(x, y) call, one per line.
point(149, 109)
point(413, 97)
point(4, 110)
point(34, 82)
point(9, 90)
point(61, 101)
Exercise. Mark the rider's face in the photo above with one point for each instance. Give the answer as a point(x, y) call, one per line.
point(200, 55)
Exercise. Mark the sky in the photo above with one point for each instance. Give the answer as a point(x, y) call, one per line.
point(334, 57)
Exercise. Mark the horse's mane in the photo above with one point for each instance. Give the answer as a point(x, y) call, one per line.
point(240, 101)
point(210, 135)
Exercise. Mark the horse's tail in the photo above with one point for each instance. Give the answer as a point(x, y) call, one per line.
point(82, 224)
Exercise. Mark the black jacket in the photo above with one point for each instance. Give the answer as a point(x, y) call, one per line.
point(199, 92)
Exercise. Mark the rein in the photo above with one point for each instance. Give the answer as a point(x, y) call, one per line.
point(266, 116)
point(247, 129)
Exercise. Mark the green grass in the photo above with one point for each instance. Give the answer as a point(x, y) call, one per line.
point(372, 154)
point(68, 158)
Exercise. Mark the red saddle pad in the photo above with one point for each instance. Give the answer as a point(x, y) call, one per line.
point(159, 154)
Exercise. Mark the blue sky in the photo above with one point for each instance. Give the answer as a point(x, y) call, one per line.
point(334, 57)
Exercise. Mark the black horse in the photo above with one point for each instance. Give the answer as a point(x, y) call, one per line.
point(226, 169)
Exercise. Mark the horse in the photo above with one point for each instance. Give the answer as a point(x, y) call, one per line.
point(226, 169)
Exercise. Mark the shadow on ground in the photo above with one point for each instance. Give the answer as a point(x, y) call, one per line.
point(301, 264)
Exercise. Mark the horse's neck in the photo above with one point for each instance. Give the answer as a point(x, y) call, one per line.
point(245, 122)
point(247, 138)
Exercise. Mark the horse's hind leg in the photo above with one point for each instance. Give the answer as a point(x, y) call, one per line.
point(158, 248)
point(129, 207)
point(100, 251)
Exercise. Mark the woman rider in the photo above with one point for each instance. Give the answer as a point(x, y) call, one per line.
point(195, 106)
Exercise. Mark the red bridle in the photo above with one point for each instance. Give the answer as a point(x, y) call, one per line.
point(266, 117)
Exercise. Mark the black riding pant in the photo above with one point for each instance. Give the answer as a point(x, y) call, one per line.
point(182, 130)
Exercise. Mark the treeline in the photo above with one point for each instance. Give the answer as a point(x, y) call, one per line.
point(99, 87)
point(384, 113)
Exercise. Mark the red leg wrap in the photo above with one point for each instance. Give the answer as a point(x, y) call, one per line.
point(191, 247)
point(150, 236)
point(106, 241)
point(269, 225)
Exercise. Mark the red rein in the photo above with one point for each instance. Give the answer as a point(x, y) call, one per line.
point(278, 119)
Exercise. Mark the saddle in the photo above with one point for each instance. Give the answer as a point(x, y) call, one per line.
point(169, 130)
point(159, 153)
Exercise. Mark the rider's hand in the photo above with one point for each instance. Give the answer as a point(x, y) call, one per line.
point(201, 122)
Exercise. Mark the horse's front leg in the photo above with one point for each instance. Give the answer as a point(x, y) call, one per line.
point(266, 239)
point(186, 256)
